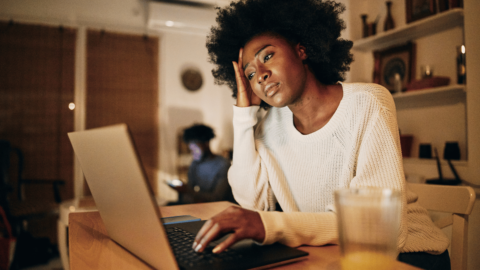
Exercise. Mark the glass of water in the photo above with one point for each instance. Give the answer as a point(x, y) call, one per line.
point(368, 227)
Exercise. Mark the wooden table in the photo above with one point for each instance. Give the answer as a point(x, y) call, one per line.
point(91, 248)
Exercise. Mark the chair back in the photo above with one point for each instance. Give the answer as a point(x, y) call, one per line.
point(457, 200)
point(5, 187)
point(5, 150)
point(8, 153)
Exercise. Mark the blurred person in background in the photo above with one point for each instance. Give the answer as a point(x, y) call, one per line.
point(207, 174)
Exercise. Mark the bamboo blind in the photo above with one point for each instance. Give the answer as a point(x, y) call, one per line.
point(36, 86)
point(122, 87)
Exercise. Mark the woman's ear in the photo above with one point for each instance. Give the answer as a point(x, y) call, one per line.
point(301, 51)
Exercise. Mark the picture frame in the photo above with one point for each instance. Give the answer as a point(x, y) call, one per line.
point(399, 59)
point(419, 9)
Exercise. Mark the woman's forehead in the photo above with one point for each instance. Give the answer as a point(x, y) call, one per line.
point(259, 42)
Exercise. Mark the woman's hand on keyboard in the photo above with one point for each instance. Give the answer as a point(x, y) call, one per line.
point(242, 223)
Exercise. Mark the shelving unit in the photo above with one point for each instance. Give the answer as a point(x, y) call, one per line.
point(417, 109)
point(449, 89)
point(428, 26)
point(432, 114)
point(421, 28)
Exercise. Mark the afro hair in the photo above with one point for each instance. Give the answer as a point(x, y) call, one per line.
point(315, 24)
point(199, 133)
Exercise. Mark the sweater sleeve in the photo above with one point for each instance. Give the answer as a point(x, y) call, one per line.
point(299, 228)
point(247, 177)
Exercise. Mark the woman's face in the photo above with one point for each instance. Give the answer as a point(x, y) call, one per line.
point(275, 69)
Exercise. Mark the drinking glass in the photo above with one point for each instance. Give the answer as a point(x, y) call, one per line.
point(368, 224)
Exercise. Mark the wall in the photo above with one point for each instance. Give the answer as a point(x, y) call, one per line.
point(180, 108)
point(212, 104)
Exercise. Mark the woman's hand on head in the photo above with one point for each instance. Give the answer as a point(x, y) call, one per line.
point(245, 96)
point(242, 223)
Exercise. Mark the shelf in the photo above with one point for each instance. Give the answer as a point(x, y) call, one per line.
point(433, 162)
point(428, 26)
point(449, 89)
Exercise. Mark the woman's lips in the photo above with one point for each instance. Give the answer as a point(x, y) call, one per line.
point(271, 89)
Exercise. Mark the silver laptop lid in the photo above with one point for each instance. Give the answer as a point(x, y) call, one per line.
point(122, 194)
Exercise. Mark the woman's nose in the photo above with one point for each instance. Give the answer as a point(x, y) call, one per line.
point(263, 75)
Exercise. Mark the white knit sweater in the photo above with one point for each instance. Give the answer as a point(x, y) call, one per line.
point(358, 147)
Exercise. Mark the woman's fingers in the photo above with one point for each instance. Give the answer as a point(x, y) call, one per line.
point(232, 239)
point(242, 95)
point(245, 96)
point(208, 237)
point(205, 228)
point(240, 222)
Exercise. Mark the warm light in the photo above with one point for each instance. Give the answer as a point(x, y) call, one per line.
point(71, 106)
point(72, 208)
point(169, 23)
point(463, 49)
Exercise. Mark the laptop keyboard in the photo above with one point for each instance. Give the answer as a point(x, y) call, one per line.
point(181, 242)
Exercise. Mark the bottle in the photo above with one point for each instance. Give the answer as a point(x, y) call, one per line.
point(461, 68)
point(397, 83)
point(389, 23)
point(365, 26)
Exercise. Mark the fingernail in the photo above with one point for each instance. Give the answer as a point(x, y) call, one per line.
point(198, 247)
point(194, 245)
point(216, 249)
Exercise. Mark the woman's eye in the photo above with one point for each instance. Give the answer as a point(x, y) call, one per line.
point(267, 57)
point(250, 76)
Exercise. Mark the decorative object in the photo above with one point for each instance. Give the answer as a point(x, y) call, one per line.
point(364, 25)
point(372, 29)
point(425, 150)
point(451, 151)
point(397, 84)
point(369, 29)
point(443, 5)
point(192, 79)
point(396, 60)
point(389, 23)
point(419, 9)
point(455, 3)
point(406, 144)
point(461, 68)
point(434, 81)
point(426, 71)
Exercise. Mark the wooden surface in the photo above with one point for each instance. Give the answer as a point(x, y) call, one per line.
point(91, 248)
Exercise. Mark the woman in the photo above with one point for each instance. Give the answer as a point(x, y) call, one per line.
point(317, 136)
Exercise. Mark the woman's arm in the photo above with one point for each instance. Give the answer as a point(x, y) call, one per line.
point(247, 175)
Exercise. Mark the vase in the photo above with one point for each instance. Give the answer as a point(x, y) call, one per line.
point(389, 23)
point(364, 25)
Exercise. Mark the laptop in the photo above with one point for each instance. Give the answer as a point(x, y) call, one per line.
point(129, 210)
